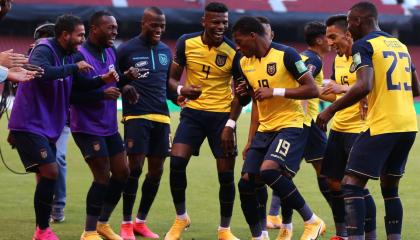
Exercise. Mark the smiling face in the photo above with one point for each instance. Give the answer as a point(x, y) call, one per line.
point(215, 25)
point(153, 26)
point(338, 39)
point(75, 38)
point(106, 31)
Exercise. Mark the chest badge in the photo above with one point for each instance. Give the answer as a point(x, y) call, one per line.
point(221, 60)
point(271, 68)
point(163, 59)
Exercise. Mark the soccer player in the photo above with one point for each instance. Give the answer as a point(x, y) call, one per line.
point(209, 60)
point(385, 74)
point(40, 112)
point(346, 127)
point(146, 117)
point(93, 123)
point(277, 146)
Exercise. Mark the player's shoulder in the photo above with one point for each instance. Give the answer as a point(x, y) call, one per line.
point(229, 43)
point(312, 57)
point(131, 43)
point(188, 36)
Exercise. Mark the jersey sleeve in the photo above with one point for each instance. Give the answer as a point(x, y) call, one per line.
point(314, 65)
point(293, 63)
point(362, 52)
point(413, 67)
point(180, 57)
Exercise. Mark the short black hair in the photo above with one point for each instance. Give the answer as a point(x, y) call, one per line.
point(216, 7)
point(339, 20)
point(247, 25)
point(368, 8)
point(96, 17)
point(313, 30)
point(154, 9)
point(263, 20)
point(66, 22)
point(44, 30)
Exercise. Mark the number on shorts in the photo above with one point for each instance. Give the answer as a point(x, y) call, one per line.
point(283, 147)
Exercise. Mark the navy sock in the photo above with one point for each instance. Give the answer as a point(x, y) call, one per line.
point(289, 194)
point(129, 193)
point(262, 196)
point(226, 197)
point(94, 202)
point(337, 207)
point(393, 211)
point(354, 203)
point(149, 190)
point(286, 215)
point(370, 217)
point(325, 190)
point(112, 196)
point(178, 183)
point(249, 205)
point(275, 204)
point(43, 198)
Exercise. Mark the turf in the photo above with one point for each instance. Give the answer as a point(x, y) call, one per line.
point(16, 196)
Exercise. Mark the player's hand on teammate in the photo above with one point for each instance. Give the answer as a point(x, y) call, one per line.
point(83, 66)
point(333, 88)
point(323, 118)
point(39, 72)
point(132, 73)
point(191, 92)
point(19, 74)
point(130, 93)
point(245, 151)
point(363, 106)
point(110, 77)
point(263, 93)
point(112, 93)
point(242, 89)
point(181, 101)
point(10, 59)
point(228, 140)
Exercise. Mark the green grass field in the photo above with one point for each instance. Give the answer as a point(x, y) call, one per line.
point(16, 196)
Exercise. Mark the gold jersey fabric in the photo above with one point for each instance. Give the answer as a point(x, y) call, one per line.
point(390, 102)
point(314, 64)
point(280, 68)
point(212, 68)
point(349, 119)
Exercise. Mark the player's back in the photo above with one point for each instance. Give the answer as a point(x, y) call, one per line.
point(391, 106)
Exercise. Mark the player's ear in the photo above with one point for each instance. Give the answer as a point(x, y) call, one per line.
point(348, 35)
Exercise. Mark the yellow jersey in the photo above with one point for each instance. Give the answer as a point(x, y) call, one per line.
point(212, 68)
point(314, 64)
point(280, 68)
point(349, 119)
point(390, 102)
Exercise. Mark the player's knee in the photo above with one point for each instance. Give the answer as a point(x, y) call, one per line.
point(178, 163)
point(246, 186)
point(49, 170)
point(352, 179)
point(155, 174)
point(389, 192)
point(334, 184)
point(122, 174)
point(135, 173)
point(226, 178)
point(136, 161)
point(269, 165)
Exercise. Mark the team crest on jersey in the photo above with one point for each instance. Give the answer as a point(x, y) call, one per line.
point(163, 59)
point(96, 146)
point(271, 68)
point(43, 152)
point(221, 60)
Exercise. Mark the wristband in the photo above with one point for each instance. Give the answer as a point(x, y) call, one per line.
point(279, 92)
point(230, 123)
point(178, 89)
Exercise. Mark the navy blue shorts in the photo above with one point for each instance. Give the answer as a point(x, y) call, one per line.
point(142, 136)
point(383, 154)
point(196, 125)
point(335, 158)
point(284, 147)
point(316, 143)
point(34, 150)
point(93, 146)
